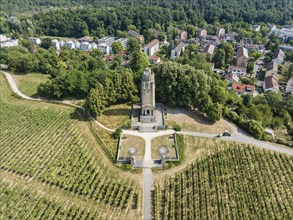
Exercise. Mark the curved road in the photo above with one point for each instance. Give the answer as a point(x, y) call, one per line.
point(237, 135)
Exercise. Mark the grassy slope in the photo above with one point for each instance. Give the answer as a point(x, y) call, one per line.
point(28, 83)
point(48, 152)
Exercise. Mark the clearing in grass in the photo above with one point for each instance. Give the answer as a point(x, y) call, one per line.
point(28, 83)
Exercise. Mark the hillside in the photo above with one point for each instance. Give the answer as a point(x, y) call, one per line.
point(51, 166)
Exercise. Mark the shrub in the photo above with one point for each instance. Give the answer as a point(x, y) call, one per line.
point(176, 127)
point(117, 133)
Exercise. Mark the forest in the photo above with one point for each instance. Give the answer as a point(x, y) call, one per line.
point(107, 17)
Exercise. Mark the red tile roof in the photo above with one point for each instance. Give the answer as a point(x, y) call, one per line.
point(241, 88)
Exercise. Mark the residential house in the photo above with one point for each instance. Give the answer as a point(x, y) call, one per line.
point(242, 57)
point(278, 56)
point(85, 46)
point(85, 39)
point(242, 89)
point(77, 45)
point(201, 32)
point(123, 41)
point(61, 42)
point(106, 49)
point(271, 84)
point(93, 46)
point(210, 39)
point(183, 35)
point(272, 68)
point(56, 44)
point(221, 33)
point(69, 44)
point(152, 47)
point(9, 43)
point(245, 41)
point(230, 37)
point(132, 33)
point(286, 47)
point(178, 50)
point(154, 59)
point(239, 71)
point(209, 50)
point(106, 40)
point(35, 40)
point(3, 38)
point(190, 41)
point(232, 78)
point(289, 87)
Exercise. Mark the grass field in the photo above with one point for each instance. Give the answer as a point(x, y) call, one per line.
point(51, 166)
point(28, 83)
point(115, 115)
point(128, 141)
point(193, 121)
point(226, 181)
point(166, 141)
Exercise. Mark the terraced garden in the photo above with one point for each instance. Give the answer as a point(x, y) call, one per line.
point(234, 182)
point(47, 145)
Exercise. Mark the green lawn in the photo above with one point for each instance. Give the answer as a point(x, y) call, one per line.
point(28, 83)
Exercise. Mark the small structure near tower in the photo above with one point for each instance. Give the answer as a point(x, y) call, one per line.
point(148, 103)
point(149, 115)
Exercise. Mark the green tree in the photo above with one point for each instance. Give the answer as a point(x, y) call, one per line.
point(46, 43)
point(117, 47)
point(219, 58)
point(138, 61)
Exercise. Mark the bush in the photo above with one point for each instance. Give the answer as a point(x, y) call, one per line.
point(176, 127)
point(117, 133)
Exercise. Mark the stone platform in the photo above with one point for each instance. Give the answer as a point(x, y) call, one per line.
point(147, 127)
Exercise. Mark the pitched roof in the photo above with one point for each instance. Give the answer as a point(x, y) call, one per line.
point(179, 47)
point(152, 43)
point(241, 88)
point(232, 76)
point(279, 54)
point(133, 33)
point(242, 51)
point(154, 58)
point(271, 82)
point(210, 48)
point(272, 66)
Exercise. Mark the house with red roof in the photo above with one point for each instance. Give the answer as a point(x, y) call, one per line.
point(242, 89)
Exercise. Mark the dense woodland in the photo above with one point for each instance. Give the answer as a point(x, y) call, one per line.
point(110, 16)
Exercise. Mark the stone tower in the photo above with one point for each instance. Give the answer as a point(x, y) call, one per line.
point(148, 104)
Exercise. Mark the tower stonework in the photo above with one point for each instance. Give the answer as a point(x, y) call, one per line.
point(148, 103)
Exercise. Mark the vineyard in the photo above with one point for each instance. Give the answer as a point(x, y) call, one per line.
point(235, 182)
point(42, 143)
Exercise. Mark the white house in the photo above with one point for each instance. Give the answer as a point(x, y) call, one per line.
point(106, 40)
point(3, 38)
point(35, 40)
point(178, 50)
point(93, 46)
point(256, 27)
point(85, 46)
point(106, 49)
point(56, 44)
point(70, 44)
point(232, 77)
point(9, 43)
point(289, 87)
point(239, 71)
point(123, 41)
point(221, 33)
point(152, 47)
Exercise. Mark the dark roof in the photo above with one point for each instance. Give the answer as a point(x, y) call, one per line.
point(133, 33)
point(271, 82)
point(272, 66)
point(242, 51)
point(279, 54)
point(179, 47)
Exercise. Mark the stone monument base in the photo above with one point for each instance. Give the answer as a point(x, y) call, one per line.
point(143, 124)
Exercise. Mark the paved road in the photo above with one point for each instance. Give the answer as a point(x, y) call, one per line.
point(147, 194)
